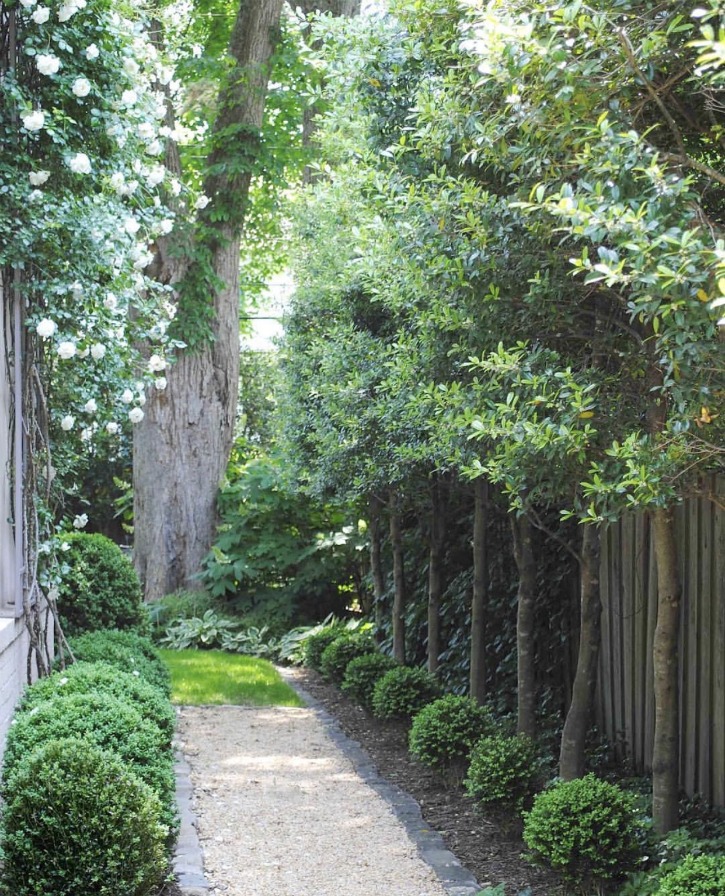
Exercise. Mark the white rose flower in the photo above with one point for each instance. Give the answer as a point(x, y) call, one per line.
point(66, 350)
point(166, 226)
point(86, 434)
point(156, 364)
point(81, 87)
point(129, 97)
point(66, 424)
point(155, 175)
point(38, 178)
point(112, 428)
point(131, 226)
point(28, 4)
point(141, 399)
point(118, 181)
point(46, 328)
point(47, 64)
point(41, 15)
point(81, 521)
point(90, 407)
point(202, 201)
point(130, 66)
point(35, 195)
point(84, 352)
point(154, 148)
point(67, 11)
point(175, 186)
point(80, 164)
point(130, 188)
point(135, 415)
point(160, 383)
point(127, 396)
point(110, 302)
point(34, 121)
point(92, 52)
point(98, 350)
point(77, 290)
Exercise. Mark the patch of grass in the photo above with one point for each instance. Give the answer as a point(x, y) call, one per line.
point(203, 677)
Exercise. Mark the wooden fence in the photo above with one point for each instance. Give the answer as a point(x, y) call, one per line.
point(629, 593)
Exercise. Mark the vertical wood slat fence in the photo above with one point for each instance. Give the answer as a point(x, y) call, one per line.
point(625, 703)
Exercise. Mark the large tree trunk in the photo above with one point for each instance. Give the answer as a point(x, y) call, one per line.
point(571, 755)
point(182, 445)
point(437, 536)
point(400, 598)
point(477, 676)
point(666, 753)
point(523, 538)
point(376, 559)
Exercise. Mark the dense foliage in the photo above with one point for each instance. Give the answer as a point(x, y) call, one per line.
point(444, 732)
point(402, 692)
point(99, 587)
point(126, 651)
point(77, 820)
point(362, 673)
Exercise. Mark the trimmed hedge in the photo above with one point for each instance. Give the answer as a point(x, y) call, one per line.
point(402, 692)
point(126, 651)
point(444, 732)
point(102, 678)
point(587, 829)
point(100, 589)
point(336, 656)
point(504, 770)
point(315, 645)
point(695, 876)
point(363, 673)
point(102, 721)
point(77, 821)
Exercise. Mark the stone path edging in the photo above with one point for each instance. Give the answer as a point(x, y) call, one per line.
point(188, 861)
point(456, 880)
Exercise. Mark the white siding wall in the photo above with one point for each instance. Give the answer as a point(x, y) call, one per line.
point(13, 636)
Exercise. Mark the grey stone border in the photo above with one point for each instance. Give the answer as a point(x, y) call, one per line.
point(456, 880)
point(188, 863)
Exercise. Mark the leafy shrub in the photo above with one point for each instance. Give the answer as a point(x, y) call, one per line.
point(665, 855)
point(102, 678)
point(338, 654)
point(105, 722)
point(444, 732)
point(317, 642)
point(251, 641)
point(402, 692)
point(587, 829)
point(100, 588)
point(695, 876)
point(363, 673)
point(126, 651)
point(503, 770)
point(178, 605)
point(76, 820)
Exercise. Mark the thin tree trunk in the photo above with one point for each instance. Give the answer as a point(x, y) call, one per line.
point(571, 756)
point(400, 598)
point(477, 677)
point(182, 445)
point(435, 573)
point(376, 558)
point(666, 753)
point(523, 538)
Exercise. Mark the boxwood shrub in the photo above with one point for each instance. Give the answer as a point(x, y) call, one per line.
point(316, 643)
point(336, 656)
point(587, 829)
point(104, 722)
point(102, 678)
point(444, 732)
point(126, 651)
point(402, 692)
point(100, 588)
point(503, 771)
point(695, 876)
point(363, 673)
point(77, 821)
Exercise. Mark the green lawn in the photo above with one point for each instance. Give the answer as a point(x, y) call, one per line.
point(200, 677)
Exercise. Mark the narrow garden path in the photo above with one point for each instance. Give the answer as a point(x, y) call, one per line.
point(284, 808)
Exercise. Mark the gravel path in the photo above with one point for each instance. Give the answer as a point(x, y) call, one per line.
point(281, 810)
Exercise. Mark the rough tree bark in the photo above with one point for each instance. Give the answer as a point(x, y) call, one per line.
point(182, 445)
point(477, 676)
point(400, 598)
point(376, 558)
point(666, 752)
point(523, 540)
point(573, 739)
point(437, 535)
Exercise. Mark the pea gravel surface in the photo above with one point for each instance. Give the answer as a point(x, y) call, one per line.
point(281, 811)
